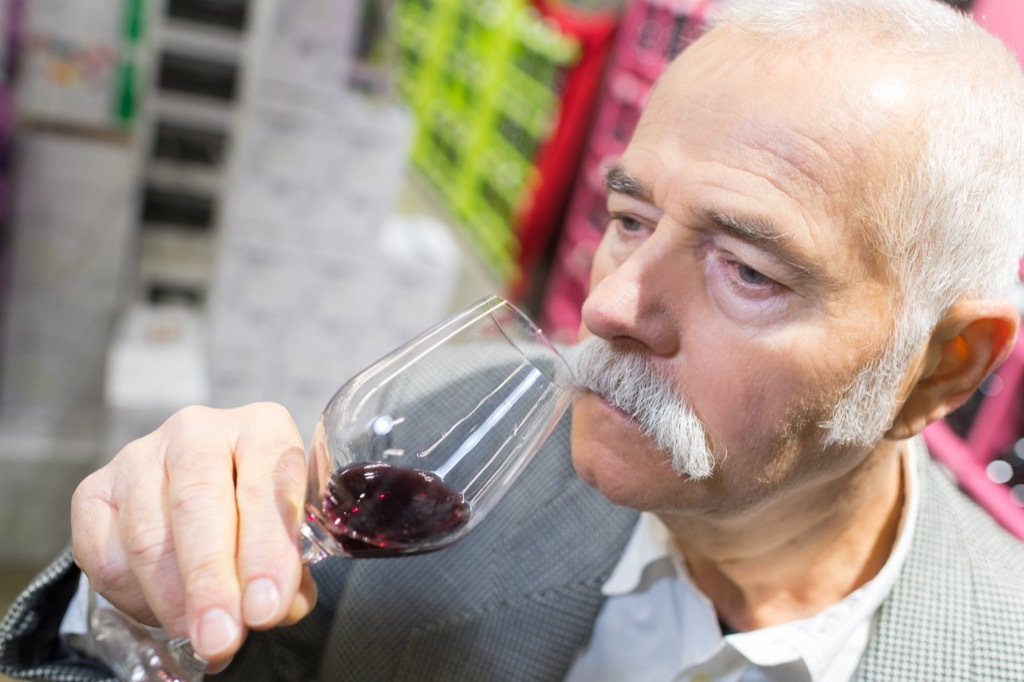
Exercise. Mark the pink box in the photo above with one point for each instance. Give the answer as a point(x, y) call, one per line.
point(1004, 19)
point(561, 317)
point(653, 32)
point(622, 100)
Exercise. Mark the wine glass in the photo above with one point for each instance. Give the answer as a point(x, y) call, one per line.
point(414, 451)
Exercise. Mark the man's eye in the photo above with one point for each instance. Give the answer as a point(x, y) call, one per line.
point(752, 276)
point(627, 223)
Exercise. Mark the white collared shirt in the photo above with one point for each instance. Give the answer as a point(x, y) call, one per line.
point(657, 626)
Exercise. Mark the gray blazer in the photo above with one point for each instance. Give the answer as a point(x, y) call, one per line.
point(518, 598)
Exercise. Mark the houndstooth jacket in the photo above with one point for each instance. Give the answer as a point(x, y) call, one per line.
point(518, 599)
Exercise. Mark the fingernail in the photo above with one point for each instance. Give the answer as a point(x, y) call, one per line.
point(261, 602)
point(217, 630)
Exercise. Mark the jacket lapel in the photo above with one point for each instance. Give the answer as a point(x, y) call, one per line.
point(924, 628)
point(513, 601)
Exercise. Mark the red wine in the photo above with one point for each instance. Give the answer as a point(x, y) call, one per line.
point(382, 510)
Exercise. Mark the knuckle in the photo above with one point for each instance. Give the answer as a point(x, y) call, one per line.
point(196, 499)
point(131, 453)
point(110, 578)
point(270, 410)
point(252, 494)
point(269, 417)
point(206, 576)
point(149, 546)
point(290, 472)
point(188, 419)
point(260, 556)
point(86, 495)
point(284, 480)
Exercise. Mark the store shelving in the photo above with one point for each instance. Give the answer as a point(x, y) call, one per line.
point(651, 34)
point(496, 88)
point(192, 109)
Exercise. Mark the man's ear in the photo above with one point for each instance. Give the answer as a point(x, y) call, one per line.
point(972, 340)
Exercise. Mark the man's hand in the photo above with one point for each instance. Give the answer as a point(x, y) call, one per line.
point(195, 527)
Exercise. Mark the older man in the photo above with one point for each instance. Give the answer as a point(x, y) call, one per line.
point(811, 233)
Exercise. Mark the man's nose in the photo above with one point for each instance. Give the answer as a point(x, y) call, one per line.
point(628, 304)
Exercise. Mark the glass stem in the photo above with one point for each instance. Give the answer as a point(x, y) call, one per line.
point(310, 549)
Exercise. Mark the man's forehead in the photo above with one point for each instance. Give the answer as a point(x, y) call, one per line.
point(828, 120)
point(798, 141)
point(876, 84)
point(779, 121)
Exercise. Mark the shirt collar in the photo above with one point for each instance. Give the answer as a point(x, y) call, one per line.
point(813, 640)
point(649, 544)
point(817, 639)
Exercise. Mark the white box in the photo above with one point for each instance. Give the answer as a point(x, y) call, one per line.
point(155, 366)
point(71, 231)
point(42, 460)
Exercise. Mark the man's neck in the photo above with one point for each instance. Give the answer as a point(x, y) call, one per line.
point(766, 570)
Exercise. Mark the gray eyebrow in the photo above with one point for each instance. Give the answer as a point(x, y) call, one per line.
point(617, 179)
point(765, 235)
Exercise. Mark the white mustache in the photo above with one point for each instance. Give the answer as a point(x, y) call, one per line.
point(629, 382)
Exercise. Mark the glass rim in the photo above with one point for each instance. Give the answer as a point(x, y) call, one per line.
point(568, 382)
